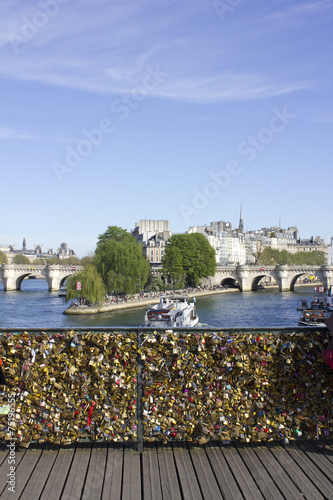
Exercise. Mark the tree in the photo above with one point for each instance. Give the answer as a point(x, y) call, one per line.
point(92, 286)
point(273, 256)
point(39, 261)
point(198, 257)
point(3, 258)
point(173, 266)
point(120, 261)
point(86, 260)
point(21, 259)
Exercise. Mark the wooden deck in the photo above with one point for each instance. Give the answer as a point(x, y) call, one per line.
point(301, 470)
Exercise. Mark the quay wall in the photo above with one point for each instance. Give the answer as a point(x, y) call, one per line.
point(131, 385)
point(137, 302)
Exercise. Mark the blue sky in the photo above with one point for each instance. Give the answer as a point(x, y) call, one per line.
point(115, 111)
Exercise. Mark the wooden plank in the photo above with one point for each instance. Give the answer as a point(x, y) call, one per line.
point(77, 474)
point(151, 480)
point(3, 455)
point(295, 473)
point(5, 468)
point(57, 478)
point(276, 472)
point(222, 472)
point(208, 484)
point(311, 470)
point(318, 458)
point(168, 473)
point(326, 451)
point(187, 477)
point(23, 473)
point(263, 480)
point(113, 476)
point(131, 488)
point(40, 474)
point(243, 477)
point(93, 486)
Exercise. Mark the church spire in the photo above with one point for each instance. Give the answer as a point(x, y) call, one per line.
point(241, 222)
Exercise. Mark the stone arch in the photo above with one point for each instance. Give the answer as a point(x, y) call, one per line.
point(62, 281)
point(295, 278)
point(19, 279)
point(256, 280)
point(230, 282)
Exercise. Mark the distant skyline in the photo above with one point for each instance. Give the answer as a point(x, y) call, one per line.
point(180, 110)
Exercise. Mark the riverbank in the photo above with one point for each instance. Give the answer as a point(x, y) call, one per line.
point(139, 302)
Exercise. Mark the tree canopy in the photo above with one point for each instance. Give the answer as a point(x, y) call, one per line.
point(197, 257)
point(120, 261)
point(21, 259)
point(273, 256)
point(173, 266)
point(3, 258)
point(92, 286)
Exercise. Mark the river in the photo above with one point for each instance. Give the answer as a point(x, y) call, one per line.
point(35, 307)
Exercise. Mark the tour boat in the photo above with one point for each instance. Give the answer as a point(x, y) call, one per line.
point(173, 311)
point(313, 317)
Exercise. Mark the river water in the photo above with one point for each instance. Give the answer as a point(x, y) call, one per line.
point(35, 307)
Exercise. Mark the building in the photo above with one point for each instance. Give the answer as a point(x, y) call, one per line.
point(153, 236)
point(37, 252)
point(229, 245)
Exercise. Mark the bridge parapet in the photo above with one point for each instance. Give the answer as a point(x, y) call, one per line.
point(248, 276)
point(12, 275)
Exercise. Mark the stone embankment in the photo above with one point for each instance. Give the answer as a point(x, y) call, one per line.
point(139, 301)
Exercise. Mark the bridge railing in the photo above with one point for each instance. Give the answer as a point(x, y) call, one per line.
point(130, 384)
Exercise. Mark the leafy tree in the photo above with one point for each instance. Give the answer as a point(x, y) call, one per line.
point(86, 260)
point(39, 261)
point(3, 258)
point(114, 233)
point(173, 266)
point(120, 261)
point(53, 260)
point(273, 256)
point(92, 286)
point(198, 257)
point(21, 259)
point(70, 261)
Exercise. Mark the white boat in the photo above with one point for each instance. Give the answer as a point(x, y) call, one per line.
point(172, 311)
point(313, 317)
point(62, 291)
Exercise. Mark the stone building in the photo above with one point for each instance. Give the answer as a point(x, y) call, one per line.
point(153, 236)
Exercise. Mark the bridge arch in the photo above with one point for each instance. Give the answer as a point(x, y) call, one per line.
point(230, 282)
point(22, 277)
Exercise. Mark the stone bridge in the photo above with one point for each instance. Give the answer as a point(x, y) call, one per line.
point(248, 277)
point(12, 275)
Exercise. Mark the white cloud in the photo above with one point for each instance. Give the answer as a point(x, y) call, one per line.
point(9, 133)
point(105, 49)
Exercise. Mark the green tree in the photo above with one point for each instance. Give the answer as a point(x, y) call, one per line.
point(120, 261)
point(198, 257)
point(70, 261)
point(3, 258)
point(92, 286)
point(21, 259)
point(173, 266)
point(86, 260)
point(272, 256)
point(39, 261)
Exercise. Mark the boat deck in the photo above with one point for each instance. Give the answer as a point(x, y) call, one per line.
point(300, 470)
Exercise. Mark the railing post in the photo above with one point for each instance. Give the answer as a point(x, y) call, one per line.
point(139, 396)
